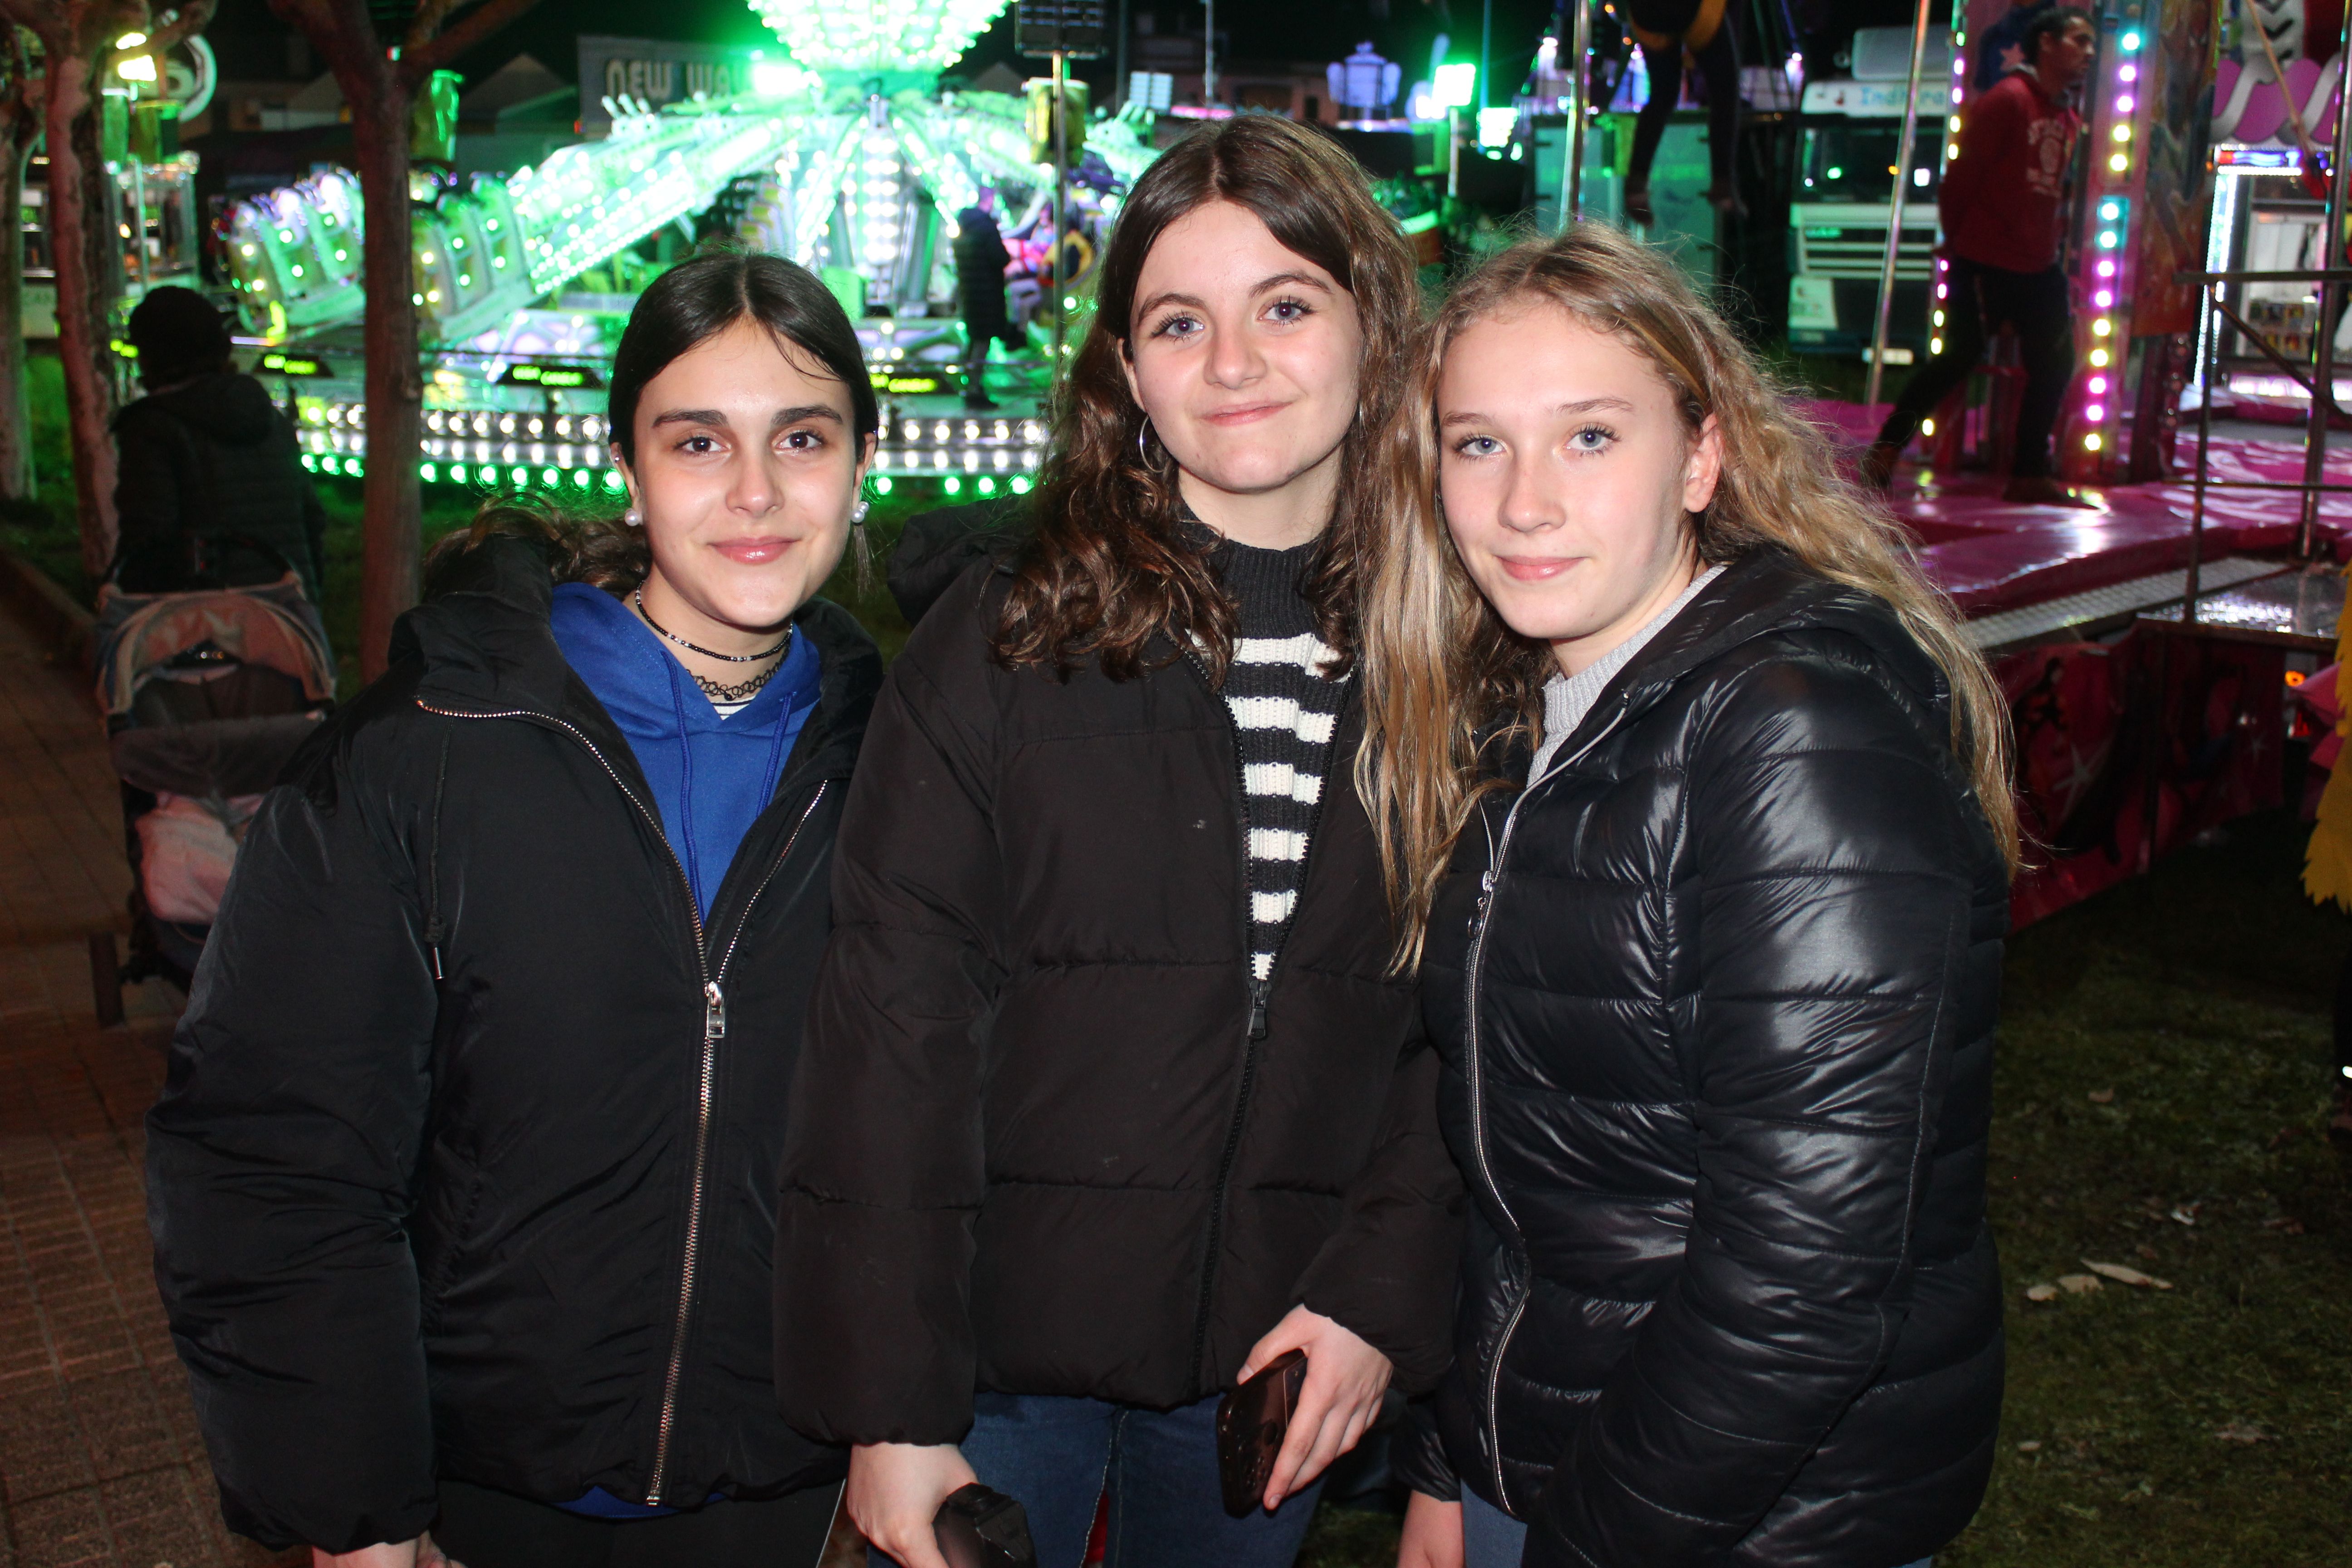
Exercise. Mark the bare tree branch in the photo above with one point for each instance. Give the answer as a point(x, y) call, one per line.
point(45, 22)
point(192, 19)
point(426, 24)
point(476, 25)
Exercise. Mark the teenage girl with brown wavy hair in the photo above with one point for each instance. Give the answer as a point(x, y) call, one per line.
point(1110, 1095)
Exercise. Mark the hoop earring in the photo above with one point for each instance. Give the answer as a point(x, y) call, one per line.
point(1142, 453)
point(634, 518)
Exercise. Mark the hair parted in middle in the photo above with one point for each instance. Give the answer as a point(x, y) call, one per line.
point(1109, 567)
point(1445, 681)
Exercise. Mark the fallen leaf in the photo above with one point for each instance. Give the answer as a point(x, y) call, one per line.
point(2102, 1096)
point(2185, 1213)
point(2029, 1447)
point(2077, 1284)
point(2042, 1292)
point(2286, 1225)
point(2242, 1432)
point(2125, 1274)
point(2146, 1252)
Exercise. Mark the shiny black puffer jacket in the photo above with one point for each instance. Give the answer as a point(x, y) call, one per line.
point(1717, 996)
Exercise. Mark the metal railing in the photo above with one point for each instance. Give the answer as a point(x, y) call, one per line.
point(2317, 381)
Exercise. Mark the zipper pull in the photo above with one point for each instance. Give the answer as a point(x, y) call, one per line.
point(1258, 990)
point(714, 1012)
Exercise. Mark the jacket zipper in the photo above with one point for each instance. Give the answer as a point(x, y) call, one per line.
point(714, 1029)
point(1488, 885)
point(1259, 991)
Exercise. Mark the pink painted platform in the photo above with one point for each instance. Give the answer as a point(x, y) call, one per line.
point(1994, 556)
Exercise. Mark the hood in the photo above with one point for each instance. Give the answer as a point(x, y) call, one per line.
point(484, 646)
point(230, 408)
point(1764, 592)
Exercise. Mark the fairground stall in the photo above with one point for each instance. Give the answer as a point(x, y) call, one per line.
point(2149, 641)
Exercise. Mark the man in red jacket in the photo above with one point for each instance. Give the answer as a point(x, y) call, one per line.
point(2003, 203)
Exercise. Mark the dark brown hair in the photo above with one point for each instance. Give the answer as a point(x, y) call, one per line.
point(684, 307)
point(1109, 567)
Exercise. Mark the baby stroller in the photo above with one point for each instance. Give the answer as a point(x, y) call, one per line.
point(207, 695)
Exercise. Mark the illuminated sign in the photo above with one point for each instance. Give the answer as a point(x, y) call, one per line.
point(295, 364)
point(916, 384)
point(656, 72)
point(553, 377)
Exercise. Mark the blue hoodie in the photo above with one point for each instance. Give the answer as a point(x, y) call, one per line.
point(711, 777)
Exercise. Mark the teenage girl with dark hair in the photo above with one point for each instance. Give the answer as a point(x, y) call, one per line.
point(1108, 1096)
point(462, 1182)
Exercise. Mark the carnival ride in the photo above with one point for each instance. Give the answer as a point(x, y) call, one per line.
point(2147, 642)
point(846, 158)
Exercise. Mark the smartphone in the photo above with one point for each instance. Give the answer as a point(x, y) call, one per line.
point(981, 1527)
point(1252, 1422)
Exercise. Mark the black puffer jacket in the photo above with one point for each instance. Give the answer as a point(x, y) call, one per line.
point(466, 1162)
point(1037, 1146)
point(211, 489)
point(1719, 1065)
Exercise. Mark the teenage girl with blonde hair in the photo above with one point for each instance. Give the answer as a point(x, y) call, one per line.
point(1693, 796)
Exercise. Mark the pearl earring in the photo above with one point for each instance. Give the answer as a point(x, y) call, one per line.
point(634, 518)
point(857, 515)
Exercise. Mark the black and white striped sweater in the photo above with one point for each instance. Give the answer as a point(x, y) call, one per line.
point(1284, 714)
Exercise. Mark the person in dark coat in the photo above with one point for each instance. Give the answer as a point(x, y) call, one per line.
point(1110, 1096)
point(1708, 820)
point(462, 1182)
point(980, 259)
point(1702, 32)
point(210, 490)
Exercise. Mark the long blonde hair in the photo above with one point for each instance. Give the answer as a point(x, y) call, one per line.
point(1445, 681)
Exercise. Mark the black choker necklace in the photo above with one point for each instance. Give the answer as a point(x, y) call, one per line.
point(719, 690)
point(706, 653)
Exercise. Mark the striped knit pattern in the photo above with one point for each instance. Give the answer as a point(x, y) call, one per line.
point(1283, 715)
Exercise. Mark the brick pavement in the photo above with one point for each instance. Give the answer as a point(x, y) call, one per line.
point(100, 1461)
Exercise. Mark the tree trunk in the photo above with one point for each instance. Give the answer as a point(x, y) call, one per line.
point(16, 482)
point(395, 386)
point(88, 394)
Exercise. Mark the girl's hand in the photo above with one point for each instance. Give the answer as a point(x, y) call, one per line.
point(418, 1554)
point(895, 1492)
point(1345, 1380)
point(1433, 1535)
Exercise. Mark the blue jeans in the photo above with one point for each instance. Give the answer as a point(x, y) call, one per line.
point(1056, 1456)
point(1493, 1539)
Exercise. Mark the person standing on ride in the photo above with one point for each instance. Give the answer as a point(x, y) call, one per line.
point(1717, 985)
point(2004, 209)
point(1110, 1095)
point(462, 1182)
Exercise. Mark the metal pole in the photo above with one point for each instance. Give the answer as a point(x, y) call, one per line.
point(1571, 204)
point(1061, 203)
point(1895, 207)
point(2209, 344)
point(1485, 46)
point(2331, 255)
point(1209, 58)
point(1119, 70)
